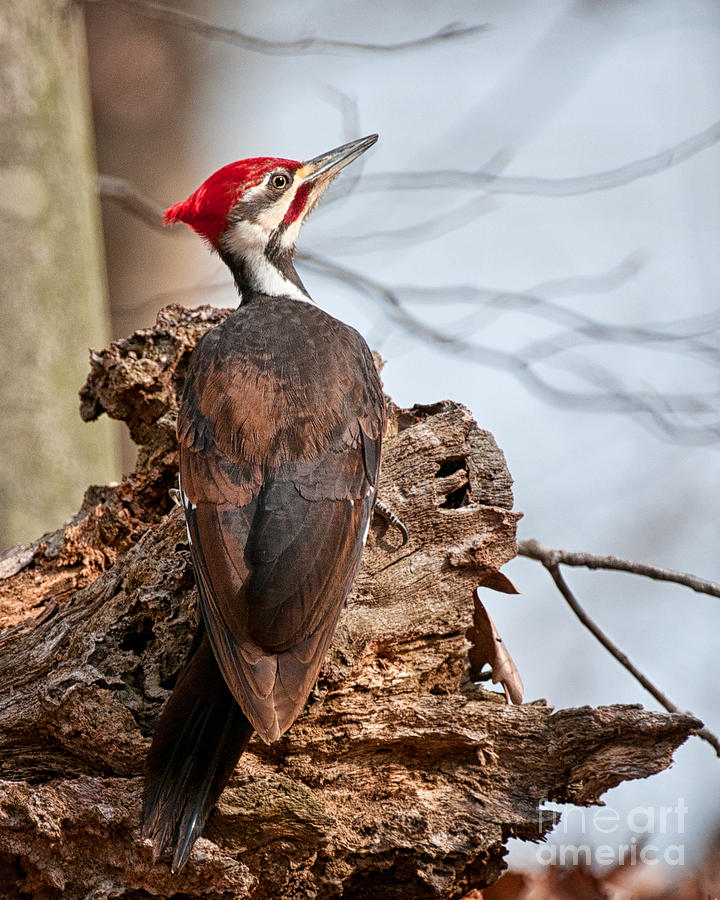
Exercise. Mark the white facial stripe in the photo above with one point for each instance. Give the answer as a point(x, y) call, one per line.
point(247, 241)
point(290, 235)
point(254, 191)
point(273, 215)
point(245, 236)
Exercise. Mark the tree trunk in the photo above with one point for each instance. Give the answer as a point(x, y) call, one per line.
point(402, 778)
point(52, 297)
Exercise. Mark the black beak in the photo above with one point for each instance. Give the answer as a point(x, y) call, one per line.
point(329, 164)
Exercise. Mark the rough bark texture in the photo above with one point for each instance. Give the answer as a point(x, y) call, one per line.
point(52, 292)
point(402, 778)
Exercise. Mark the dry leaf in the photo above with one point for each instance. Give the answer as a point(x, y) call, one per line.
point(488, 649)
point(496, 581)
point(619, 882)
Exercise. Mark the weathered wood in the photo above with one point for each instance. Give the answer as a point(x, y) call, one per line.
point(402, 778)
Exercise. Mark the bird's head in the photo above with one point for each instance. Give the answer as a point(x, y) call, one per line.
point(251, 212)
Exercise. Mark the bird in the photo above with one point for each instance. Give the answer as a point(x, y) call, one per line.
point(280, 430)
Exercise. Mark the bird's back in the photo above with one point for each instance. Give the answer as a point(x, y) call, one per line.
point(280, 453)
point(279, 381)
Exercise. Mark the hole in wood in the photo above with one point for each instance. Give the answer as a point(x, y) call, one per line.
point(450, 466)
point(137, 640)
point(457, 498)
point(456, 489)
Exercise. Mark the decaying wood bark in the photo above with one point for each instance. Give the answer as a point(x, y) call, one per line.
point(402, 778)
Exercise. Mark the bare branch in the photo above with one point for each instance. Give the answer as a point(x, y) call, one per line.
point(123, 193)
point(175, 17)
point(492, 183)
point(533, 549)
point(550, 560)
point(347, 106)
point(611, 396)
point(689, 343)
point(494, 300)
point(120, 191)
point(491, 302)
point(411, 235)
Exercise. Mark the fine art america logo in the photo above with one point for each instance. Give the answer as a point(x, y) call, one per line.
point(631, 842)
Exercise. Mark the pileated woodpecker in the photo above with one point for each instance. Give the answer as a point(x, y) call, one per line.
point(280, 428)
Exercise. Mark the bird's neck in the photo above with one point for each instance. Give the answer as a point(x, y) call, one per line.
point(263, 269)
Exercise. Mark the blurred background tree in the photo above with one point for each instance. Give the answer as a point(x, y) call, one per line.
point(52, 292)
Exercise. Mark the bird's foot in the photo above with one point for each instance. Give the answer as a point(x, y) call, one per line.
point(389, 516)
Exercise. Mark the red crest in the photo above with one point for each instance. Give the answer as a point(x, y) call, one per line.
point(206, 209)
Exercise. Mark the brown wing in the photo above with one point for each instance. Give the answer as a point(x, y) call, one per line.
point(276, 547)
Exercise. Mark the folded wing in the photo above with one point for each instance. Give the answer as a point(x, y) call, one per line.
point(276, 547)
point(273, 575)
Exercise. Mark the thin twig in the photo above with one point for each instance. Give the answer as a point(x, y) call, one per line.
point(122, 192)
point(550, 559)
point(610, 397)
point(410, 235)
point(535, 550)
point(691, 342)
point(492, 183)
point(179, 19)
point(536, 302)
point(349, 111)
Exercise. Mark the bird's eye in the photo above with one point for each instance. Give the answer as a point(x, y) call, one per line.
point(279, 181)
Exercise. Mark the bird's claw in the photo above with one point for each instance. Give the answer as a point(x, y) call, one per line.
point(389, 516)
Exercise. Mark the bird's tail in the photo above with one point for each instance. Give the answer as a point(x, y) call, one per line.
point(197, 743)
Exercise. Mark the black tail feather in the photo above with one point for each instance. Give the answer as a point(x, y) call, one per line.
point(197, 743)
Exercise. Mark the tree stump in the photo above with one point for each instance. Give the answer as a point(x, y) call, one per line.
point(402, 778)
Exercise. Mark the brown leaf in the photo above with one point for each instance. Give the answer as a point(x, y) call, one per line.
point(512, 886)
point(496, 581)
point(488, 649)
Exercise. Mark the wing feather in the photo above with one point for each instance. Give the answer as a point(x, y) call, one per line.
point(271, 607)
point(278, 482)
